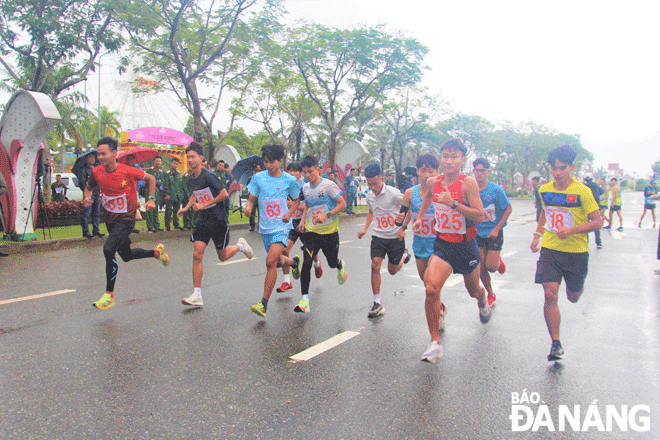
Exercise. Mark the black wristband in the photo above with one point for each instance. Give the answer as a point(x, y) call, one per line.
point(404, 209)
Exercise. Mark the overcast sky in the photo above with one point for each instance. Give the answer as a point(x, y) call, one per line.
point(584, 67)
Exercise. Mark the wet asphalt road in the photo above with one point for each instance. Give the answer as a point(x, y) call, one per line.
point(149, 368)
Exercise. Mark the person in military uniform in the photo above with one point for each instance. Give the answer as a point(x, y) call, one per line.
point(153, 223)
point(350, 184)
point(59, 189)
point(174, 195)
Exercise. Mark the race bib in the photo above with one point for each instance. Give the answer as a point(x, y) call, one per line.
point(204, 196)
point(59, 190)
point(385, 221)
point(448, 221)
point(427, 226)
point(556, 218)
point(116, 205)
point(490, 212)
point(274, 208)
point(297, 215)
point(313, 216)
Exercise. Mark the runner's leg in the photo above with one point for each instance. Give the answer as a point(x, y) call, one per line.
point(437, 273)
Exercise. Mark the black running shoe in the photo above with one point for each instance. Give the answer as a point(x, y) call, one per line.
point(556, 352)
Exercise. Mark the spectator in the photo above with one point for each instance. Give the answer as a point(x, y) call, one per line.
point(95, 208)
point(59, 189)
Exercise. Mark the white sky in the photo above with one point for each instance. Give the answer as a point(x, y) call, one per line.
point(583, 67)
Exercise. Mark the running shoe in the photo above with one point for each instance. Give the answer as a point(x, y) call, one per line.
point(341, 274)
point(599, 246)
point(607, 227)
point(501, 268)
point(484, 314)
point(247, 249)
point(318, 271)
point(295, 269)
point(433, 353)
point(443, 314)
point(376, 310)
point(285, 287)
point(105, 302)
point(193, 300)
point(556, 352)
point(406, 257)
point(303, 306)
point(162, 256)
point(620, 228)
point(639, 225)
point(492, 299)
point(259, 309)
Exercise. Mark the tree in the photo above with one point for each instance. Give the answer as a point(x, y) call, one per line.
point(348, 71)
point(186, 48)
point(49, 46)
point(470, 129)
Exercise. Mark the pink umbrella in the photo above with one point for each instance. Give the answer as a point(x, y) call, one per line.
point(141, 154)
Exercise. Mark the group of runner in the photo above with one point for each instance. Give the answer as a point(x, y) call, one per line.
point(457, 221)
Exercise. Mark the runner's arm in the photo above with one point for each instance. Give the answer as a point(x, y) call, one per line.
point(427, 198)
point(250, 205)
point(293, 208)
point(475, 211)
point(540, 226)
point(498, 227)
point(367, 223)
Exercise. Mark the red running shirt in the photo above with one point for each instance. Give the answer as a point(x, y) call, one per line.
point(451, 225)
point(118, 194)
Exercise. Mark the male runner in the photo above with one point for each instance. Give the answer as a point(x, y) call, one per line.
point(427, 166)
point(295, 170)
point(490, 236)
point(323, 203)
point(272, 187)
point(208, 192)
point(650, 190)
point(388, 239)
point(615, 206)
point(569, 213)
point(597, 192)
point(604, 199)
point(457, 205)
point(119, 201)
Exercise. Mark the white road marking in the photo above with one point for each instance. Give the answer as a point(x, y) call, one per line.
point(453, 281)
point(225, 263)
point(347, 241)
point(355, 247)
point(41, 295)
point(508, 254)
point(324, 346)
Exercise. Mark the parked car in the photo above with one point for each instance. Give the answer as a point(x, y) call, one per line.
point(71, 182)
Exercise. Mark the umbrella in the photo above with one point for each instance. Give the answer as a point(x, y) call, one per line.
point(82, 161)
point(141, 154)
point(244, 168)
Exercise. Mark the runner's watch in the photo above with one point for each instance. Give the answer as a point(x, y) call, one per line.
point(455, 204)
point(151, 198)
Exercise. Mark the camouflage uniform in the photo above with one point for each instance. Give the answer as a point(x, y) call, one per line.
point(174, 188)
point(153, 223)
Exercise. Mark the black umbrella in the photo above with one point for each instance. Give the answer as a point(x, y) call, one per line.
point(244, 168)
point(82, 161)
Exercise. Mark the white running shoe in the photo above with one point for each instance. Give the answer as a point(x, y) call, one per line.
point(433, 353)
point(247, 249)
point(193, 300)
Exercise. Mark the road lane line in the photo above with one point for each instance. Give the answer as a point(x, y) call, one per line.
point(324, 346)
point(41, 295)
point(508, 254)
point(225, 263)
point(453, 281)
point(346, 241)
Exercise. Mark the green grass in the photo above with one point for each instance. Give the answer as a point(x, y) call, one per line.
point(61, 232)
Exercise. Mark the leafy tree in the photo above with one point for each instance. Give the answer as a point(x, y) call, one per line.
point(187, 47)
point(49, 46)
point(348, 71)
point(656, 169)
point(470, 129)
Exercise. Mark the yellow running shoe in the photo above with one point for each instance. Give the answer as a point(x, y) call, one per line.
point(162, 255)
point(259, 309)
point(341, 274)
point(105, 302)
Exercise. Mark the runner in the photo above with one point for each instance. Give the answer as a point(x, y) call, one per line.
point(208, 192)
point(427, 166)
point(457, 205)
point(323, 203)
point(295, 170)
point(615, 205)
point(597, 192)
point(649, 191)
point(388, 239)
point(604, 199)
point(490, 236)
point(119, 201)
point(569, 213)
point(272, 187)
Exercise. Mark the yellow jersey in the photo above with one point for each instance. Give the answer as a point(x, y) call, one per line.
point(567, 208)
